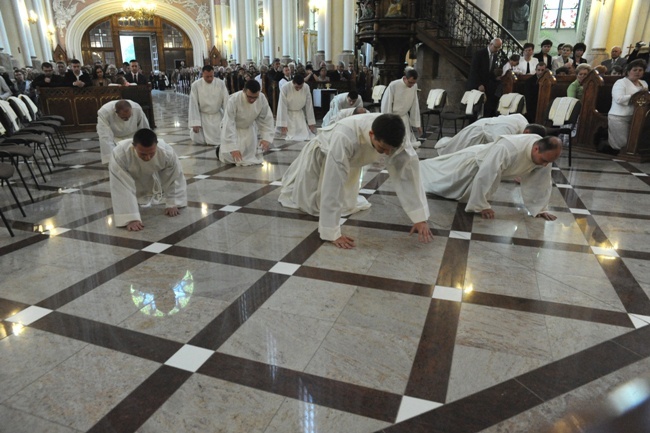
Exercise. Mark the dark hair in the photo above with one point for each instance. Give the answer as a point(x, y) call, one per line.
point(548, 143)
point(145, 137)
point(207, 68)
point(133, 61)
point(534, 128)
point(529, 45)
point(580, 46)
point(46, 65)
point(298, 79)
point(515, 57)
point(559, 46)
point(411, 73)
point(95, 71)
point(636, 63)
point(75, 62)
point(125, 63)
point(562, 70)
point(389, 128)
point(253, 86)
point(309, 67)
point(353, 95)
point(546, 42)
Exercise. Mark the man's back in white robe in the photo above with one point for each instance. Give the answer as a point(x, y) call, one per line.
point(473, 174)
point(340, 102)
point(111, 129)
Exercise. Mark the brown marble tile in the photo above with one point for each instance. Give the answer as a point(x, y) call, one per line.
point(627, 287)
point(223, 258)
point(108, 336)
point(334, 394)
point(8, 249)
point(142, 402)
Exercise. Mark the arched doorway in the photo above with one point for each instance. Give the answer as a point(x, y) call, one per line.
point(157, 44)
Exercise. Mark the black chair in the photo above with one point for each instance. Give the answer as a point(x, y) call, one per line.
point(6, 173)
point(377, 94)
point(469, 115)
point(50, 120)
point(24, 119)
point(436, 101)
point(567, 123)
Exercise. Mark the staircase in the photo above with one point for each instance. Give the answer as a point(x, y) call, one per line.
point(456, 29)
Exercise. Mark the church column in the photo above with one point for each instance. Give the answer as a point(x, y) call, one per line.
point(250, 16)
point(213, 24)
point(4, 39)
point(226, 30)
point(42, 30)
point(348, 25)
point(631, 36)
point(326, 16)
point(270, 24)
point(289, 28)
point(234, 29)
point(604, 20)
point(20, 26)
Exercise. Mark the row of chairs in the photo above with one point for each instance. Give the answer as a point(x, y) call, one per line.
point(23, 130)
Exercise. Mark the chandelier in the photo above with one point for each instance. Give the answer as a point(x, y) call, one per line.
point(138, 13)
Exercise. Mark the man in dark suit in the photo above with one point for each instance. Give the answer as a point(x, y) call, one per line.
point(531, 91)
point(136, 76)
point(75, 77)
point(47, 79)
point(544, 55)
point(482, 74)
point(616, 60)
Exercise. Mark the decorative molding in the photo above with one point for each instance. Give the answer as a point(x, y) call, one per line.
point(64, 11)
point(202, 11)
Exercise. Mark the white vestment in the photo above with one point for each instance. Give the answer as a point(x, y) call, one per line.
point(295, 112)
point(401, 100)
point(111, 129)
point(242, 123)
point(342, 114)
point(207, 104)
point(339, 102)
point(485, 130)
point(324, 180)
point(131, 178)
point(472, 175)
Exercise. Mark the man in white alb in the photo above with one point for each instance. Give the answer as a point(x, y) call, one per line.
point(247, 115)
point(487, 130)
point(473, 175)
point(401, 98)
point(324, 180)
point(341, 101)
point(134, 167)
point(296, 119)
point(208, 99)
point(117, 121)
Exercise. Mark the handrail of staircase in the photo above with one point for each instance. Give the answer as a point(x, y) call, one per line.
point(458, 20)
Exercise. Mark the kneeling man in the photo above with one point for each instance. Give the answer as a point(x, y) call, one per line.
point(136, 165)
point(324, 180)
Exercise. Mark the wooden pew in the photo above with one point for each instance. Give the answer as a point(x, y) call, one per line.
point(80, 106)
point(638, 147)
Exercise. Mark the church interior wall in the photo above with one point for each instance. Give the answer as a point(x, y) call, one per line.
point(12, 32)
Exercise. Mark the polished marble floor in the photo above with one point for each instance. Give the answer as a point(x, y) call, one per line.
point(235, 317)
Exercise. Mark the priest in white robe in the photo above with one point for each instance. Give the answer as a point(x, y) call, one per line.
point(296, 119)
point(347, 112)
point(136, 164)
point(117, 121)
point(248, 116)
point(401, 98)
point(324, 180)
point(485, 130)
point(208, 98)
point(342, 101)
point(472, 175)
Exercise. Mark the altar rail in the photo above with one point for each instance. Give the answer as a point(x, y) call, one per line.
point(79, 106)
point(596, 102)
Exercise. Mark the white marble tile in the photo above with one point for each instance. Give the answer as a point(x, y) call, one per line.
point(460, 235)
point(447, 293)
point(411, 406)
point(366, 191)
point(276, 183)
point(610, 252)
point(201, 176)
point(639, 321)
point(579, 211)
point(230, 208)
point(156, 248)
point(189, 358)
point(29, 315)
point(562, 185)
point(284, 268)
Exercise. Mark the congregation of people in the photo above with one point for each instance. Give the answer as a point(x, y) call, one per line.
point(229, 108)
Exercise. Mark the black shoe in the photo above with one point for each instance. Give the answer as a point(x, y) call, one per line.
point(608, 150)
point(217, 151)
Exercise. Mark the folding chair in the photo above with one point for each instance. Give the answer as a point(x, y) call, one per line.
point(563, 114)
point(472, 107)
point(27, 125)
point(50, 120)
point(436, 101)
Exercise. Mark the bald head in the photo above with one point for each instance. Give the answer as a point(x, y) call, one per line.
point(616, 52)
point(122, 104)
point(359, 110)
point(495, 45)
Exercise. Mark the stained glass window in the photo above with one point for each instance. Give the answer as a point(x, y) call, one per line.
point(172, 37)
point(100, 36)
point(560, 14)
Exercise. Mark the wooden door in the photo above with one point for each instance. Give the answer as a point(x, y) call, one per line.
point(142, 48)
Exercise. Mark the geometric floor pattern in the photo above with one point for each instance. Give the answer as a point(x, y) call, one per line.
point(235, 316)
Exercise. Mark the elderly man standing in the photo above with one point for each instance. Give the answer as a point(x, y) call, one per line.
point(295, 111)
point(401, 98)
point(208, 98)
point(116, 121)
point(341, 102)
point(473, 175)
point(136, 166)
point(247, 115)
point(482, 73)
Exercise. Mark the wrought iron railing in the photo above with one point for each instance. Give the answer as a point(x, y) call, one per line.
point(466, 26)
